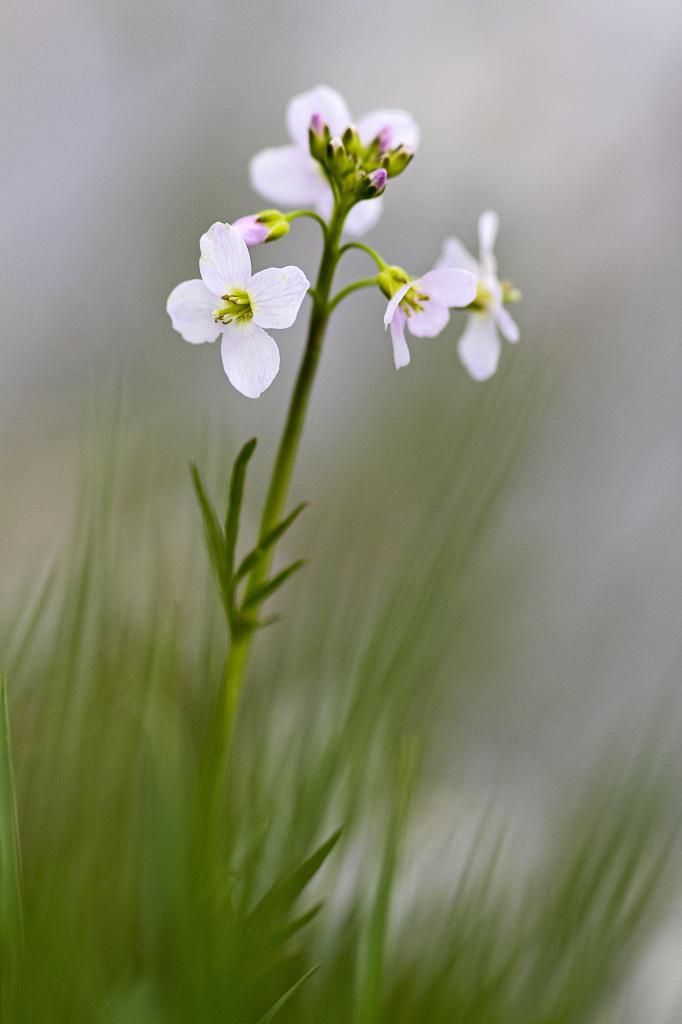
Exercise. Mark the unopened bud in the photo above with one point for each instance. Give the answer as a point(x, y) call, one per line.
point(352, 141)
point(397, 160)
point(374, 184)
point(318, 137)
point(251, 230)
point(266, 226)
point(337, 158)
point(317, 124)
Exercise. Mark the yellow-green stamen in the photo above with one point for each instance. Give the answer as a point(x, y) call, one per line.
point(237, 307)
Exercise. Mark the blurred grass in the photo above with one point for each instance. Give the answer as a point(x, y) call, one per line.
point(130, 913)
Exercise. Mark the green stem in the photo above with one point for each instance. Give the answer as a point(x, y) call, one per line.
point(366, 282)
point(295, 214)
point(381, 264)
point(235, 665)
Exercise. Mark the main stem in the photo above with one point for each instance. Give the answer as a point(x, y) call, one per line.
point(237, 658)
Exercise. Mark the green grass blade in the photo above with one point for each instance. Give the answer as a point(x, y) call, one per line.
point(270, 1015)
point(372, 966)
point(11, 916)
point(286, 890)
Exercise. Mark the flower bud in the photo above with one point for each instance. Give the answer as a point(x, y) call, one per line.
point(266, 226)
point(317, 124)
point(337, 158)
point(397, 160)
point(352, 141)
point(318, 137)
point(251, 230)
point(374, 183)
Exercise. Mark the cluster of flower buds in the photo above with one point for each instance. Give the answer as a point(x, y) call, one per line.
point(266, 226)
point(360, 171)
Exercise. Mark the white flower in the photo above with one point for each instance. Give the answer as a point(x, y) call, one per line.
point(424, 305)
point(479, 347)
point(289, 176)
point(229, 300)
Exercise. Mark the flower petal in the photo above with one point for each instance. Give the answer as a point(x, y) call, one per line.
point(225, 263)
point(506, 324)
point(276, 295)
point(288, 176)
point(457, 256)
point(488, 224)
point(190, 307)
point(449, 286)
point(363, 217)
point(396, 127)
point(479, 347)
point(322, 100)
point(250, 357)
point(394, 302)
point(430, 320)
point(401, 353)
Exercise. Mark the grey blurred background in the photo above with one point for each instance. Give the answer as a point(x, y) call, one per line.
point(128, 127)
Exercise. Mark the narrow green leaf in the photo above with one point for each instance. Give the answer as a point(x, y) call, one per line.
point(287, 996)
point(215, 542)
point(291, 927)
point(268, 540)
point(268, 588)
point(11, 916)
point(234, 503)
point(371, 966)
point(286, 890)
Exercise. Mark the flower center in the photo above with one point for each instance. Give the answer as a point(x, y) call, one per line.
point(237, 306)
point(413, 301)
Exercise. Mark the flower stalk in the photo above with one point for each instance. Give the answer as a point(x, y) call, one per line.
point(232, 679)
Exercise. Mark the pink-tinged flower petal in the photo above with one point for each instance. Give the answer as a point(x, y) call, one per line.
point(401, 353)
point(394, 127)
point(251, 230)
point(250, 357)
point(363, 217)
point(322, 100)
point(287, 176)
point(225, 264)
point(394, 302)
point(276, 295)
point(488, 223)
point(448, 286)
point(506, 324)
point(430, 320)
point(190, 307)
point(457, 256)
point(479, 347)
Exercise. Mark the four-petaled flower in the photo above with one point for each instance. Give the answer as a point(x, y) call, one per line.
point(288, 175)
point(229, 300)
point(479, 347)
point(424, 305)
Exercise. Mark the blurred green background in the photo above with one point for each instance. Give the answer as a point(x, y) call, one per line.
point(128, 130)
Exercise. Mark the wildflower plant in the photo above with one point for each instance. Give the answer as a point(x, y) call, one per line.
point(146, 873)
point(335, 172)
